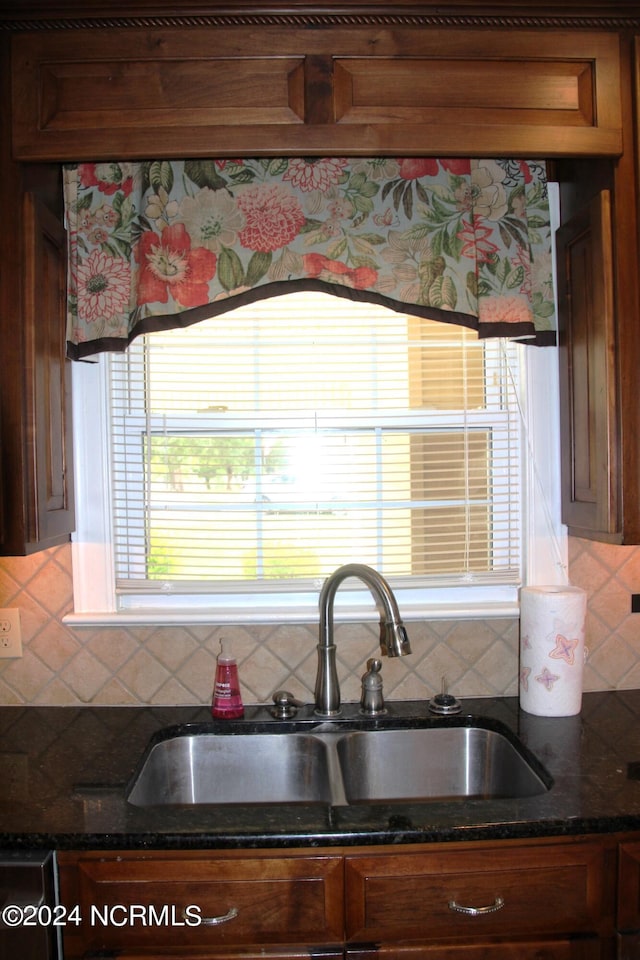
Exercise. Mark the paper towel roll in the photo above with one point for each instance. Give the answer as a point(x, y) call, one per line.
point(552, 650)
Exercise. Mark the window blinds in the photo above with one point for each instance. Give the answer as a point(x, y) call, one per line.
point(268, 447)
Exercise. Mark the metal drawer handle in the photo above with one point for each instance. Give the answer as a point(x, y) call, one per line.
point(216, 921)
point(497, 904)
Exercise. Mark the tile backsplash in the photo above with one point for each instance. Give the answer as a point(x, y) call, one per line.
point(175, 665)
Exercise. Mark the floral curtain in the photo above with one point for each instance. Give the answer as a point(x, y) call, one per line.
point(166, 243)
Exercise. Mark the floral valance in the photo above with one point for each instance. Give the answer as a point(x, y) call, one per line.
point(166, 243)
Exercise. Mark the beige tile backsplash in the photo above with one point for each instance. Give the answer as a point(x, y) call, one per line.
point(175, 665)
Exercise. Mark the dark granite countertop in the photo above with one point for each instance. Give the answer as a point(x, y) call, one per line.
point(64, 773)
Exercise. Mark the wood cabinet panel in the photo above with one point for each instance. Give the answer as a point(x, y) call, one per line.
point(269, 899)
point(547, 888)
point(215, 92)
point(36, 393)
point(229, 91)
point(588, 399)
point(50, 510)
point(478, 91)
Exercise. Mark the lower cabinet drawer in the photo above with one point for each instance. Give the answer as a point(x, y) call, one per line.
point(480, 891)
point(165, 901)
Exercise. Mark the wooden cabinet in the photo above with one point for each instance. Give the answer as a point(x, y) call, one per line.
point(527, 899)
point(217, 905)
point(599, 252)
point(588, 397)
point(47, 379)
point(37, 457)
point(36, 475)
point(335, 89)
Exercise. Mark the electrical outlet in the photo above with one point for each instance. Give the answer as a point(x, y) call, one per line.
point(10, 633)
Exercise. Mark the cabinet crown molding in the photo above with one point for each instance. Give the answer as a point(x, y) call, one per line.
point(502, 14)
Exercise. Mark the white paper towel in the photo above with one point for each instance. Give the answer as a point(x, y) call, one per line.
point(552, 650)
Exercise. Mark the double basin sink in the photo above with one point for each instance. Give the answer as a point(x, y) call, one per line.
point(339, 766)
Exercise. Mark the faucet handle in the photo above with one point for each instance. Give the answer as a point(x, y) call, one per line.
point(285, 705)
point(372, 699)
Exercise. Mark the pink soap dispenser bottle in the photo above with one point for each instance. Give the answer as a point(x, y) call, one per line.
point(227, 701)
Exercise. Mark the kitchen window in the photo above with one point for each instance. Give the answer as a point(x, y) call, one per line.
point(247, 459)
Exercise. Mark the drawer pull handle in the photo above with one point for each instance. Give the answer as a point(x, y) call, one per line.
point(497, 904)
point(215, 921)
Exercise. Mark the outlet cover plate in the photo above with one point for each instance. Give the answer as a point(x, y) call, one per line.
point(10, 633)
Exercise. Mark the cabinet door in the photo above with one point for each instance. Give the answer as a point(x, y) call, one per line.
point(203, 905)
point(588, 402)
point(472, 893)
point(49, 470)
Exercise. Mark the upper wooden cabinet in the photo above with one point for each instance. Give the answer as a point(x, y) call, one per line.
point(49, 479)
point(588, 398)
point(224, 91)
point(39, 507)
point(36, 473)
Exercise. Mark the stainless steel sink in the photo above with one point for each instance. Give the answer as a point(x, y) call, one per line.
point(441, 762)
point(337, 767)
point(247, 768)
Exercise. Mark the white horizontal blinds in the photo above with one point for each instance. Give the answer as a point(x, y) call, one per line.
point(465, 467)
point(293, 435)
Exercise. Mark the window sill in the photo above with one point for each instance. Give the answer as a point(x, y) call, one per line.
point(348, 614)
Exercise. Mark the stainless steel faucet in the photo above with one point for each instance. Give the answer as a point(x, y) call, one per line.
point(393, 636)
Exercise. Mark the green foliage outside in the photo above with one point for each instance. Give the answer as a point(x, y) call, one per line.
point(210, 457)
point(207, 457)
point(223, 460)
point(163, 560)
